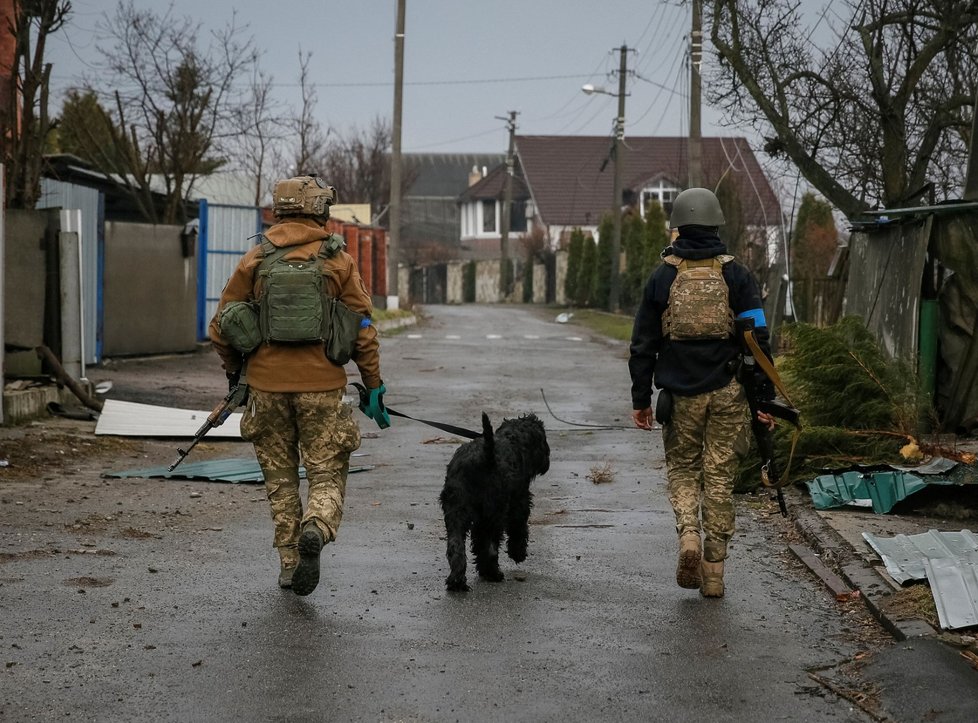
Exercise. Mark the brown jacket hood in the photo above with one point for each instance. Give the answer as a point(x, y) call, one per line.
point(296, 232)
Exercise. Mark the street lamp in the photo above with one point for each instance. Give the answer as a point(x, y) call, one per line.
point(614, 291)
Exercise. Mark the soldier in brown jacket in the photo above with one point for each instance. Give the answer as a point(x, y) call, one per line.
point(295, 408)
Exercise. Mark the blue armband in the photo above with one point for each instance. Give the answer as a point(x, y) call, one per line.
point(756, 314)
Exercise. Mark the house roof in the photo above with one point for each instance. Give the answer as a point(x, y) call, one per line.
point(443, 175)
point(493, 186)
point(571, 178)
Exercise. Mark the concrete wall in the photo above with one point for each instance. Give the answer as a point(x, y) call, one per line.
point(150, 291)
point(561, 277)
point(487, 282)
point(24, 287)
point(539, 284)
point(455, 285)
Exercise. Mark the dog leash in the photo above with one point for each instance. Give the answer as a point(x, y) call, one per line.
point(450, 428)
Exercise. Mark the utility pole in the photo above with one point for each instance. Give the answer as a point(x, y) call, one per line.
point(394, 239)
point(505, 272)
point(695, 97)
point(614, 292)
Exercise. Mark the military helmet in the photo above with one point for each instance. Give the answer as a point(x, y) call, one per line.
point(302, 196)
point(696, 207)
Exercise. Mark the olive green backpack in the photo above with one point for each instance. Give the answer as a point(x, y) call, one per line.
point(293, 306)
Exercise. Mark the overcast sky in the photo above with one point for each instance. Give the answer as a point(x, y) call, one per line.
point(465, 63)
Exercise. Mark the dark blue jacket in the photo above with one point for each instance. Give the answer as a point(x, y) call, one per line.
point(687, 368)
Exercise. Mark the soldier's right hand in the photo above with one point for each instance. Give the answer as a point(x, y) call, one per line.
point(642, 418)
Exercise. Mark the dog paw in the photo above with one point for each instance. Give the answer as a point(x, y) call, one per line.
point(517, 555)
point(456, 585)
point(493, 576)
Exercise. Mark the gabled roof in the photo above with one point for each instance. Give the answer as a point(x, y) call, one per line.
point(493, 186)
point(571, 178)
point(443, 174)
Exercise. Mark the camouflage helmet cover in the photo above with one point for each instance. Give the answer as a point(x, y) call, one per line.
point(302, 196)
point(696, 207)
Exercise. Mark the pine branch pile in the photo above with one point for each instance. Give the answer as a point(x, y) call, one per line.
point(858, 406)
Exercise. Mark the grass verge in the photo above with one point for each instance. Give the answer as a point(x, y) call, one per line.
point(615, 326)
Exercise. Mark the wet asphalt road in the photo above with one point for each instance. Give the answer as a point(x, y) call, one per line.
point(185, 623)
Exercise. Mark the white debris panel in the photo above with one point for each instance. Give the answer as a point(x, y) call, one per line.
point(129, 419)
point(948, 561)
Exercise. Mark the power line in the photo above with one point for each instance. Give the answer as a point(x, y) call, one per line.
point(466, 81)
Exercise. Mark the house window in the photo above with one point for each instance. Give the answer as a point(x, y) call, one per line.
point(488, 216)
point(663, 192)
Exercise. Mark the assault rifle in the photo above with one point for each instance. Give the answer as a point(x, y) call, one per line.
point(756, 372)
point(234, 399)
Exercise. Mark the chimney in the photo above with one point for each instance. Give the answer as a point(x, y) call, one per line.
point(474, 176)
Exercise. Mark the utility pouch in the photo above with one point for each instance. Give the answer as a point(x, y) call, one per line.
point(344, 329)
point(239, 325)
point(663, 407)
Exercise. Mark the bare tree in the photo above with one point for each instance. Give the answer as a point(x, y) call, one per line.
point(878, 117)
point(173, 100)
point(25, 124)
point(358, 164)
point(310, 138)
point(259, 130)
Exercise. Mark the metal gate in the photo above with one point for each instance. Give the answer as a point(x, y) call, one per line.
point(226, 232)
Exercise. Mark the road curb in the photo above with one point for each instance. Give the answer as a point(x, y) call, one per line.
point(398, 323)
point(834, 552)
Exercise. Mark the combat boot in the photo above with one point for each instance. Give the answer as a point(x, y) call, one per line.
point(305, 577)
point(690, 553)
point(285, 576)
point(712, 579)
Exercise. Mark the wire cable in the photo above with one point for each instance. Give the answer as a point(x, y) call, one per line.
point(582, 424)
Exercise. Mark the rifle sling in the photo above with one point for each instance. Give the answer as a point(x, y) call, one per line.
point(775, 409)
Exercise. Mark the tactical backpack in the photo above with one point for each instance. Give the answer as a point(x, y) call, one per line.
point(293, 306)
point(699, 300)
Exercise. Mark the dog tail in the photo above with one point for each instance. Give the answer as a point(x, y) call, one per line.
point(488, 443)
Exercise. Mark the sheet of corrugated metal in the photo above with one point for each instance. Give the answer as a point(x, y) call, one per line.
point(954, 584)
point(904, 555)
point(130, 419)
point(949, 563)
point(216, 470)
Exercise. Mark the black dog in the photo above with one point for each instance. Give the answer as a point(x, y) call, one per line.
point(487, 493)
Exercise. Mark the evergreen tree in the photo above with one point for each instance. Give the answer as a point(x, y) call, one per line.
point(85, 129)
point(814, 239)
point(813, 245)
point(574, 252)
point(602, 282)
point(657, 237)
point(588, 273)
point(633, 237)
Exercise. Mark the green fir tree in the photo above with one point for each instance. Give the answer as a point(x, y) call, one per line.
point(602, 284)
point(587, 275)
point(575, 251)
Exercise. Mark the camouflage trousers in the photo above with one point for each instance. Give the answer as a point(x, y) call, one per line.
point(319, 428)
point(703, 443)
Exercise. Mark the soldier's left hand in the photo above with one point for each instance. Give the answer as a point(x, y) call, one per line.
point(766, 419)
